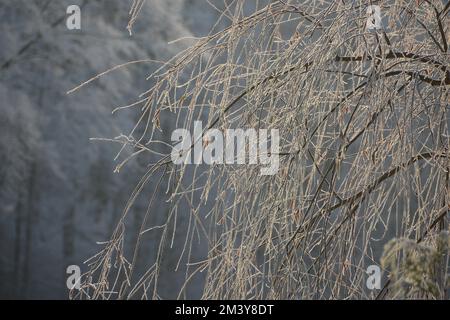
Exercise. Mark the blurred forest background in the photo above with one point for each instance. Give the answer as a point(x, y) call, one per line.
point(58, 192)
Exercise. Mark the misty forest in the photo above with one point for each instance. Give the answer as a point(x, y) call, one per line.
point(358, 92)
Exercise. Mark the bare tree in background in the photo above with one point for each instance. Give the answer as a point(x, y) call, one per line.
point(364, 124)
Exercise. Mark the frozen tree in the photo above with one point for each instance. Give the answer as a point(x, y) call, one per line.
point(361, 105)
